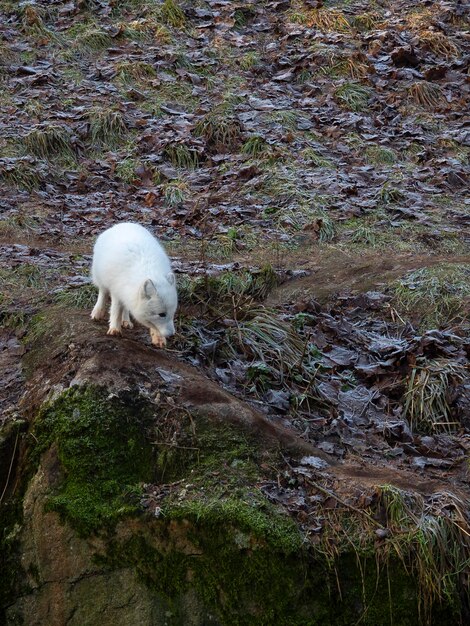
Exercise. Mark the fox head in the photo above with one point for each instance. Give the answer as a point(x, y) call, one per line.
point(156, 305)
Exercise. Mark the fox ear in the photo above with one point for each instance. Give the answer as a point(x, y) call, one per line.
point(148, 289)
point(171, 278)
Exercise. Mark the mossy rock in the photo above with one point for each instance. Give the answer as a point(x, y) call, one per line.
point(104, 454)
point(181, 533)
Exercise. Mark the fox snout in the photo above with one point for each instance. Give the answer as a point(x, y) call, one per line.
point(167, 331)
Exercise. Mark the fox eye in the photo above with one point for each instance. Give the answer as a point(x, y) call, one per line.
point(162, 315)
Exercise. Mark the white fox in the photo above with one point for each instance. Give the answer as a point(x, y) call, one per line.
point(131, 267)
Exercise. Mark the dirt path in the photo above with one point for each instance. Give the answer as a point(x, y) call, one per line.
point(333, 271)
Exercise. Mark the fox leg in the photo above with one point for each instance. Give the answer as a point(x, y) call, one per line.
point(99, 310)
point(115, 317)
point(126, 320)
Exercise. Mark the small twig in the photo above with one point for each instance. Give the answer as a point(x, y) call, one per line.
point(344, 503)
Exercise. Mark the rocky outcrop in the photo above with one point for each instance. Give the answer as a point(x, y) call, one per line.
point(136, 498)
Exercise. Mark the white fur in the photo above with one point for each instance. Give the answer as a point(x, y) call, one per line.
point(132, 268)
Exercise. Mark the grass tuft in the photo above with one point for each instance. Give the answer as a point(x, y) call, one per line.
point(287, 118)
point(388, 194)
point(426, 94)
point(269, 343)
point(220, 128)
point(245, 286)
point(308, 218)
point(48, 142)
point(366, 21)
point(175, 192)
point(426, 400)
point(431, 538)
point(181, 155)
point(129, 71)
point(436, 296)
point(352, 96)
point(249, 60)
point(107, 127)
point(255, 146)
point(171, 14)
point(380, 155)
point(19, 173)
point(312, 157)
point(324, 19)
point(438, 44)
point(126, 169)
point(83, 297)
point(92, 39)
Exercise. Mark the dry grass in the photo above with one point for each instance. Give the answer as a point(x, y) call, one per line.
point(129, 71)
point(366, 21)
point(438, 44)
point(353, 66)
point(426, 401)
point(267, 340)
point(324, 19)
point(430, 537)
point(428, 95)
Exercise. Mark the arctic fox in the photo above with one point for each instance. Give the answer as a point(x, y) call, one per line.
point(131, 267)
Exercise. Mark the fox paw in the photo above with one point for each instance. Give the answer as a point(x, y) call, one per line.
point(113, 331)
point(128, 324)
point(157, 339)
point(98, 315)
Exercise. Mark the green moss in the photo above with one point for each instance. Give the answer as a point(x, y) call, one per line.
point(102, 447)
point(213, 553)
point(221, 565)
point(253, 515)
point(200, 448)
